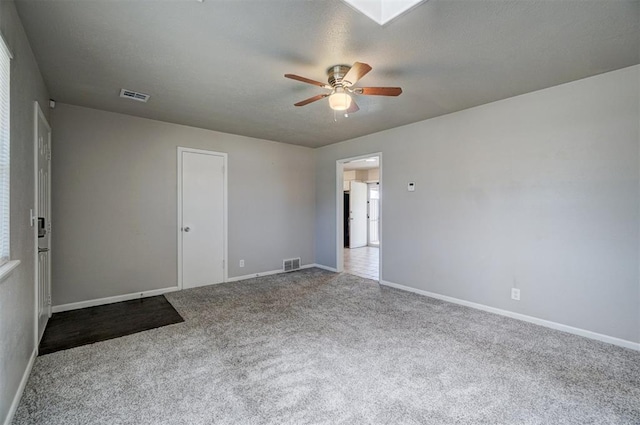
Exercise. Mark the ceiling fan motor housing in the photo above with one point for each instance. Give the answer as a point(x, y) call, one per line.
point(336, 74)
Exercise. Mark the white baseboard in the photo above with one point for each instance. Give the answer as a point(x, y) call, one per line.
point(23, 384)
point(154, 292)
point(249, 276)
point(331, 269)
point(110, 300)
point(546, 323)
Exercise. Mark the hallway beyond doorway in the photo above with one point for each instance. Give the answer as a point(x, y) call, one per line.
point(362, 262)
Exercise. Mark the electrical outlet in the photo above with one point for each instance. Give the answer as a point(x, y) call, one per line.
point(241, 263)
point(515, 294)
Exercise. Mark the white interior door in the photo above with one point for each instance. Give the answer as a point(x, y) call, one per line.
point(374, 214)
point(43, 219)
point(203, 219)
point(357, 215)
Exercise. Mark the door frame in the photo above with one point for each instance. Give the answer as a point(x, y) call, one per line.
point(225, 207)
point(340, 211)
point(38, 114)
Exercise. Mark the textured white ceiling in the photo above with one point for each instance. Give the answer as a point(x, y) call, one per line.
point(220, 64)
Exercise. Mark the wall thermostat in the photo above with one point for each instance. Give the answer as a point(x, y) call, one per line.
point(411, 186)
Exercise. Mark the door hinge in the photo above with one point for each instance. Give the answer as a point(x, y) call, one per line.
point(48, 154)
point(223, 264)
point(49, 300)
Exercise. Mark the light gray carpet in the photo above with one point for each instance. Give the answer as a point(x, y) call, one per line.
point(314, 347)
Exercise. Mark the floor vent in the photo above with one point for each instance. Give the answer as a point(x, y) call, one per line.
point(291, 264)
point(134, 95)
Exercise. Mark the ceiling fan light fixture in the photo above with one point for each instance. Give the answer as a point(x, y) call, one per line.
point(340, 100)
point(341, 81)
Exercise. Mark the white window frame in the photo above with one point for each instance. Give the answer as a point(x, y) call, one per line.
point(6, 264)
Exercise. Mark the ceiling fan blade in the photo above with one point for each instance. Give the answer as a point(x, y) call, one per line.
point(308, 81)
point(357, 71)
point(353, 108)
point(378, 91)
point(311, 99)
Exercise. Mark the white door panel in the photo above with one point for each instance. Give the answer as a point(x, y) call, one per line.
point(203, 247)
point(357, 215)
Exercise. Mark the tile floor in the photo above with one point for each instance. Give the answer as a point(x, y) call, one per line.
point(362, 262)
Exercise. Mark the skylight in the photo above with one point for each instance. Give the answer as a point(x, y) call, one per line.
point(383, 11)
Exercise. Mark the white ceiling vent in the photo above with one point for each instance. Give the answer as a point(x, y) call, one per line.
point(134, 95)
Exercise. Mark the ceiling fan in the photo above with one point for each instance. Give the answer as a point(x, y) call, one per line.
point(341, 81)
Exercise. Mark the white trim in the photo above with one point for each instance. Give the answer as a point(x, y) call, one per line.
point(41, 114)
point(111, 300)
point(249, 276)
point(179, 215)
point(3, 45)
point(323, 267)
point(339, 216)
point(340, 210)
point(541, 322)
point(38, 114)
point(380, 201)
point(225, 272)
point(23, 384)
point(34, 224)
point(269, 273)
point(7, 268)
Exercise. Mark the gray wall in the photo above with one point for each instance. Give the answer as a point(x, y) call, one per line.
point(17, 298)
point(539, 191)
point(114, 202)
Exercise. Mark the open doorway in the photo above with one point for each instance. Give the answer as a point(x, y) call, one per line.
point(359, 195)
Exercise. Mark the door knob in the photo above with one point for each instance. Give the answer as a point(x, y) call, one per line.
point(187, 229)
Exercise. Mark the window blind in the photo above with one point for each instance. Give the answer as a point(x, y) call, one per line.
point(5, 144)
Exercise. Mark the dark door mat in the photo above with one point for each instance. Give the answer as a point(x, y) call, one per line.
point(93, 324)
